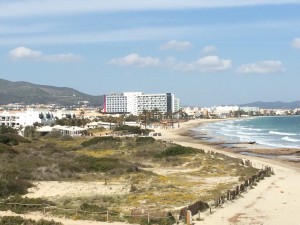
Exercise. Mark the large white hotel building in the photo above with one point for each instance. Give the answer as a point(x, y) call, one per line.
point(136, 102)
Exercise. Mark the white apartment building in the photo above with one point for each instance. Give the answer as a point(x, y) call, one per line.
point(136, 102)
point(26, 118)
point(31, 116)
point(224, 109)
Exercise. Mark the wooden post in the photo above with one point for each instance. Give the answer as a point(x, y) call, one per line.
point(188, 217)
point(210, 210)
point(107, 216)
point(76, 213)
point(199, 215)
point(148, 218)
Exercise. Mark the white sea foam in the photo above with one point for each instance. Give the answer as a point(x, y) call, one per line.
point(271, 134)
point(290, 139)
point(282, 133)
point(251, 129)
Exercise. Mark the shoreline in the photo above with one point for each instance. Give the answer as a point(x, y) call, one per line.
point(250, 148)
point(275, 200)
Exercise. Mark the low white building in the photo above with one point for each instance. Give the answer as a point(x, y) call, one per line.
point(26, 118)
point(64, 130)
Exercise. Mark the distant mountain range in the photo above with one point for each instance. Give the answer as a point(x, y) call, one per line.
point(274, 105)
point(28, 93)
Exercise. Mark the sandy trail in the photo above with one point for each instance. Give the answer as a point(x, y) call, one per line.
point(55, 189)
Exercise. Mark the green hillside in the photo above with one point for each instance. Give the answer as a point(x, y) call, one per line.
point(28, 93)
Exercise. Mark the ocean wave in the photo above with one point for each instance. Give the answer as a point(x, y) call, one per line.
point(251, 129)
point(282, 133)
point(250, 133)
point(290, 139)
point(275, 145)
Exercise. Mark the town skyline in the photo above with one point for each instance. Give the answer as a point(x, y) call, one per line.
point(207, 54)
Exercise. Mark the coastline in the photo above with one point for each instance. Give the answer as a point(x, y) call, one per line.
point(275, 200)
point(251, 148)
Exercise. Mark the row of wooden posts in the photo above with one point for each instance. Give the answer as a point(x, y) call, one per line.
point(186, 213)
point(233, 193)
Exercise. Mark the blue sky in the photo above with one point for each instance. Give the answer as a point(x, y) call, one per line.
point(205, 52)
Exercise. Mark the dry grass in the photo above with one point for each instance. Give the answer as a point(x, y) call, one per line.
point(164, 182)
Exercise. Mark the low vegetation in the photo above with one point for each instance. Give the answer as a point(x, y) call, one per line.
point(18, 220)
point(179, 150)
point(159, 175)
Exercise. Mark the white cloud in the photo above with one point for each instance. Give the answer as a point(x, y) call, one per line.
point(176, 45)
point(53, 7)
point(296, 43)
point(135, 60)
point(204, 65)
point(20, 53)
point(263, 67)
point(209, 49)
point(24, 53)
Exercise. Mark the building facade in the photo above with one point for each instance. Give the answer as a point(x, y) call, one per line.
point(136, 102)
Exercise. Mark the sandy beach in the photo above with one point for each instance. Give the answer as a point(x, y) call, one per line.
point(275, 200)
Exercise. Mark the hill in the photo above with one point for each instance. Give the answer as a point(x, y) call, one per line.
point(28, 93)
point(274, 105)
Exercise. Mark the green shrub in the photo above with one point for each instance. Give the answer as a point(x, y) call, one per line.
point(17, 220)
point(14, 187)
point(129, 129)
point(92, 208)
point(98, 140)
point(145, 140)
point(66, 138)
point(53, 134)
point(115, 166)
point(12, 139)
point(6, 129)
point(7, 149)
point(97, 164)
point(17, 137)
point(178, 150)
point(4, 139)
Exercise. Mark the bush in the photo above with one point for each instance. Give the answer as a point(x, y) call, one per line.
point(115, 166)
point(14, 187)
point(129, 129)
point(178, 150)
point(66, 138)
point(7, 149)
point(17, 220)
point(53, 134)
point(92, 208)
point(17, 137)
point(145, 140)
point(97, 164)
point(98, 140)
point(12, 139)
point(6, 129)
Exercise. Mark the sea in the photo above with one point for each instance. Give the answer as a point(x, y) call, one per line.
point(271, 132)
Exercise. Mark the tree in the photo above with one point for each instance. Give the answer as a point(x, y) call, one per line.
point(30, 132)
point(6, 129)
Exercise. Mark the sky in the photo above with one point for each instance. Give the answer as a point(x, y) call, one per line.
point(206, 53)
